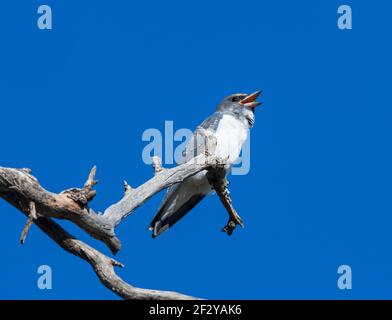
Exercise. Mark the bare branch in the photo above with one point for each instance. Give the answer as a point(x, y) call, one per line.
point(72, 204)
point(90, 183)
point(166, 178)
point(31, 217)
point(127, 187)
point(157, 163)
point(22, 190)
point(103, 266)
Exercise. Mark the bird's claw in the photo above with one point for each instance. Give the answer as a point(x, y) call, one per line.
point(230, 226)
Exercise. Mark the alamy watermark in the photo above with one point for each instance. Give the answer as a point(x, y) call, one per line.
point(44, 281)
point(345, 19)
point(170, 144)
point(345, 280)
point(44, 21)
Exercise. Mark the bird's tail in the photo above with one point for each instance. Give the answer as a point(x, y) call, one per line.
point(180, 199)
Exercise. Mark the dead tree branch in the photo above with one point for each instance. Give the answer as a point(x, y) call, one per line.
point(23, 191)
point(103, 266)
point(31, 217)
point(72, 204)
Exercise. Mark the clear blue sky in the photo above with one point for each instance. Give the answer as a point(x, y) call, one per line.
point(319, 191)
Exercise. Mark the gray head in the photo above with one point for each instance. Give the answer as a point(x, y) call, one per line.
point(242, 106)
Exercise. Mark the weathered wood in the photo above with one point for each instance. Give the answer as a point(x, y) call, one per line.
point(134, 198)
point(23, 191)
point(72, 204)
point(103, 266)
point(31, 217)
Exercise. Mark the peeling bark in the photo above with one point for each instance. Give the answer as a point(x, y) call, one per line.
point(23, 191)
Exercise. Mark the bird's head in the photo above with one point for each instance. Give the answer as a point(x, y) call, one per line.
point(242, 106)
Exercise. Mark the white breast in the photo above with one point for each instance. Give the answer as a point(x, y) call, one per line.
point(231, 135)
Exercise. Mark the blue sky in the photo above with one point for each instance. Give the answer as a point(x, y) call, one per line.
point(319, 189)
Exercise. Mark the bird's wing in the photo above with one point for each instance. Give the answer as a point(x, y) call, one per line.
point(196, 143)
point(212, 122)
point(178, 202)
point(182, 197)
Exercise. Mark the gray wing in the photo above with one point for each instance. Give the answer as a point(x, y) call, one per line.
point(196, 143)
point(166, 216)
point(193, 148)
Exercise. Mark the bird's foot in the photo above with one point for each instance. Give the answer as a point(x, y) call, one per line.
point(231, 224)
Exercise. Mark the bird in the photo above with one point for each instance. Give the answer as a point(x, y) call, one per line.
point(230, 124)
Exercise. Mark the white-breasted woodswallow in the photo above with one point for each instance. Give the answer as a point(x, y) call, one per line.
point(230, 124)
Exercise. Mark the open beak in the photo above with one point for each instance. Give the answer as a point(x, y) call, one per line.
point(250, 100)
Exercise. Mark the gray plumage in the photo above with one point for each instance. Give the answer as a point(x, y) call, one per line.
point(233, 117)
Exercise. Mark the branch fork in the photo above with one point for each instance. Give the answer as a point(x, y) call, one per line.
point(23, 191)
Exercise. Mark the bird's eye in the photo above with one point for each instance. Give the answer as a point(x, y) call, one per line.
point(236, 99)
